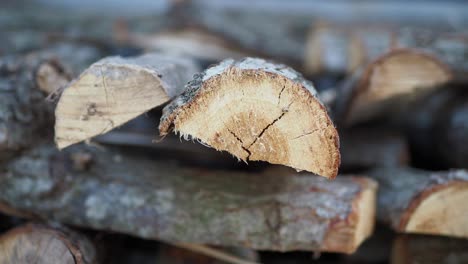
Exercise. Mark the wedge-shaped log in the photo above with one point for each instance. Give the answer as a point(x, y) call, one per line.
point(257, 110)
point(389, 85)
point(35, 243)
point(415, 201)
point(273, 210)
point(114, 90)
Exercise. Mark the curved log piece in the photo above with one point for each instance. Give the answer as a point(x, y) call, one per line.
point(414, 249)
point(390, 85)
point(115, 90)
point(415, 201)
point(339, 48)
point(257, 110)
point(273, 210)
point(35, 243)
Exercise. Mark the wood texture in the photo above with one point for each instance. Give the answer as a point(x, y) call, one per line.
point(389, 85)
point(114, 90)
point(273, 210)
point(35, 243)
point(414, 249)
point(257, 110)
point(415, 201)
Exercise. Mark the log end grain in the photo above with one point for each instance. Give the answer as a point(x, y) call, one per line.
point(257, 110)
point(33, 243)
point(440, 210)
point(400, 74)
point(115, 90)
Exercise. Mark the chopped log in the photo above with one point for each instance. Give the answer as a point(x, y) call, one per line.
point(416, 201)
point(257, 110)
point(342, 48)
point(369, 147)
point(437, 128)
point(414, 249)
point(190, 41)
point(115, 90)
point(273, 210)
point(389, 85)
point(35, 243)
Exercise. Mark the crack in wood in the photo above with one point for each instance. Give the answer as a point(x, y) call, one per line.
point(242, 143)
point(305, 134)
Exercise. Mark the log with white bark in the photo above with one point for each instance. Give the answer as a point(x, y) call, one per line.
point(257, 110)
point(416, 201)
point(415, 249)
point(37, 243)
point(115, 90)
point(343, 48)
point(273, 210)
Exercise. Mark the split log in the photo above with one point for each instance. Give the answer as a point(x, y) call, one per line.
point(366, 147)
point(257, 110)
point(115, 90)
point(389, 85)
point(437, 128)
point(342, 48)
point(34, 243)
point(414, 249)
point(415, 201)
point(274, 210)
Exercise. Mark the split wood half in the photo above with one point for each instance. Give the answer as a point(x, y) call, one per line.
point(271, 210)
point(115, 90)
point(257, 110)
point(414, 201)
point(390, 84)
point(34, 243)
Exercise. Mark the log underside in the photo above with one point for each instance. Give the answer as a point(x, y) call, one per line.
point(115, 90)
point(273, 210)
point(414, 201)
point(256, 110)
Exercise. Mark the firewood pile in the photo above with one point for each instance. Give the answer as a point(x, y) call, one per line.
point(209, 134)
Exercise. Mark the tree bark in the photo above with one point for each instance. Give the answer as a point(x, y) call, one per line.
point(415, 201)
point(413, 249)
point(366, 148)
point(257, 110)
point(274, 210)
point(25, 81)
point(115, 90)
point(35, 243)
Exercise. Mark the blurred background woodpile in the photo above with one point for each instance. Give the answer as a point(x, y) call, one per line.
point(374, 93)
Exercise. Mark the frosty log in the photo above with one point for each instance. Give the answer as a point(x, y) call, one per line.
point(257, 110)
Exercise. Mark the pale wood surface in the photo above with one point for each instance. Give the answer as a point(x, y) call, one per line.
point(257, 110)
